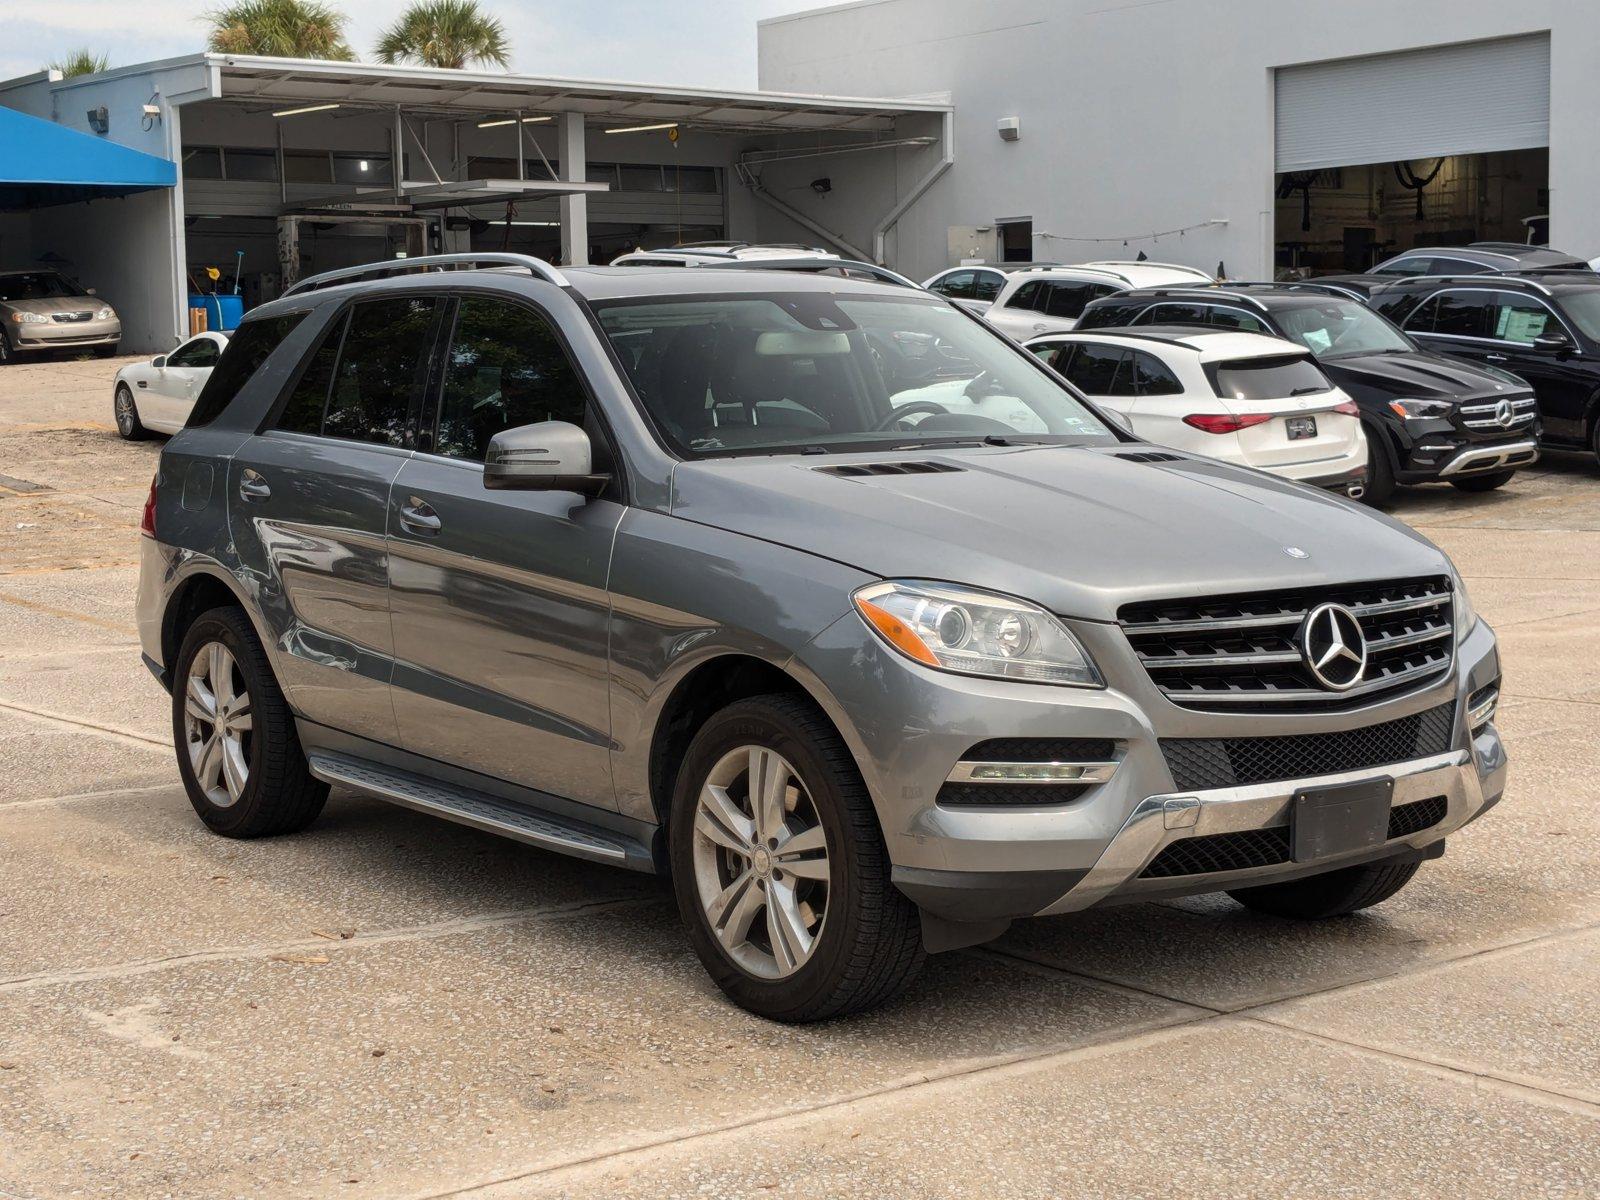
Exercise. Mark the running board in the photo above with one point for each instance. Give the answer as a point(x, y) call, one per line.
point(480, 811)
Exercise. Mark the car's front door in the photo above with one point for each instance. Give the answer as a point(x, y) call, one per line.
point(1563, 380)
point(171, 394)
point(308, 501)
point(499, 598)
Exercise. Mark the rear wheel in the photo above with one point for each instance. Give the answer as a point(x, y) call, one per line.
point(7, 354)
point(1332, 894)
point(1483, 483)
point(127, 414)
point(1380, 474)
point(238, 753)
point(780, 869)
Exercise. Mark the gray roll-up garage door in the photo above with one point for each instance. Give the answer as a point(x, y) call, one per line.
point(1469, 98)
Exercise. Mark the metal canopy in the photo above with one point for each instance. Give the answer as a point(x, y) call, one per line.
point(424, 195)
point(283, 82)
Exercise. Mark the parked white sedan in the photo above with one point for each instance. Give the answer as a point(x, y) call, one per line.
point(156, 396)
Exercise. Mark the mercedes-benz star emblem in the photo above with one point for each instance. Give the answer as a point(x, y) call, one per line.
point(1334, 647)
point(1503, 414)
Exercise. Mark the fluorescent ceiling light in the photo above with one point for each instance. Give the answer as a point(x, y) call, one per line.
point(512, 121)
point(539, 224)
point(295, 112)
point(644, 128)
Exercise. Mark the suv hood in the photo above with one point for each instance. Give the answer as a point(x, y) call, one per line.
point(1420, 374)
point(1081, 531)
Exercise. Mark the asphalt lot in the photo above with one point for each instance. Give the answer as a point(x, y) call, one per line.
point(393, 1006)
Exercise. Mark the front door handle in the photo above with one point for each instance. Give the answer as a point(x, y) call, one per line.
point(253, 486)
point(1496, 358)
point(417, 516)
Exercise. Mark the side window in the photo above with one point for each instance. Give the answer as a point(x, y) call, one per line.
point(1105, 316)
point(1518, 319)
point(1232, 318)
point(1455, 266)
point(247, 349)
point(1409, 315)
point(1405, 266)
point(1152, 377)
point(303, 411)
point(1045, 350)
point(1066, 299)
point(1463, 314)
point(1174, 314)
point(202, 352)
point(986, 285)
point(957, 286)
point(1027, 296)
point(505, 368)
point(381, 369)
point(1094, 368)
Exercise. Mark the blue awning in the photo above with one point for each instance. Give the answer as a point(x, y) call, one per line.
point(45, 163)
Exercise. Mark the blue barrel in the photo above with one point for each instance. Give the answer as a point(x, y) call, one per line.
point(223, 313)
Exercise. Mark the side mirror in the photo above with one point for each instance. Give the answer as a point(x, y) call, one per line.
point(159, 360)
point(1552, 343)
point(551, 456)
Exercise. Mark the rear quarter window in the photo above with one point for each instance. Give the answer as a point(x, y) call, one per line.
point(249, 347)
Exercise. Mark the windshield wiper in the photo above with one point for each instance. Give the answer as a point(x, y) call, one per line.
point(1307, 391)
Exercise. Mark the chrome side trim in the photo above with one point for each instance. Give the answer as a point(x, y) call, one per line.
point(1518, 454)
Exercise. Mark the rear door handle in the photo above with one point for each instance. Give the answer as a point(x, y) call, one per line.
point(253, 486)
point(417, 516)
point(1496, 358)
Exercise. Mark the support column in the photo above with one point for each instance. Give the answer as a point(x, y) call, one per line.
point(574, 209)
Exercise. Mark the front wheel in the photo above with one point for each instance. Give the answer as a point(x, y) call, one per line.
point(1331, 894)
point(780, 868)
point(105, 351)
point(127, 415)
point(1483, 483)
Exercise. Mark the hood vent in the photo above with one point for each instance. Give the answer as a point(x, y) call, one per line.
point(858, 470)
point(1149, 456)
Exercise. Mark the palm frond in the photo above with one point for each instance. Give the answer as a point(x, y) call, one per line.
point(445, 33)
point(281, 29)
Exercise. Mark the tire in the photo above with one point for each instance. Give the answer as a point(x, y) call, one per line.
point(8, 356)
point(1483, 483)
point(126, 413)
point(1331, 894)
point(1380, 472)
point(865, 945)
point(277, 793)
point(105, 351)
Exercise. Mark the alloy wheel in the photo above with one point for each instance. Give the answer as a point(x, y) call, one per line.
point(761, 862)
point(218, 724)
point(124, 411)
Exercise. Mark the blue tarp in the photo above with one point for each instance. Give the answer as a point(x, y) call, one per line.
point(45, 163)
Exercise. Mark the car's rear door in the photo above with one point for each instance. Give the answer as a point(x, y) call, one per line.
point(308, 501)
point(498, 598)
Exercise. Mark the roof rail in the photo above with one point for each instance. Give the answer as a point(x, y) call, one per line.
point(431, 262)
point(1136, 262)
point(1309, 285)
point(1493, 245)
point(1208, 293)
point(1489, 279)
point(814, 265)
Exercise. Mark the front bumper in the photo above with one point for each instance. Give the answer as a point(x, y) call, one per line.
point(65, 335)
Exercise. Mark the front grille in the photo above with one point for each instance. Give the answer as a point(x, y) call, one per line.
point(1243, 653)
point(67, 318)
point(1042, 750)
point(1008, 795)
point(1198, 764)
point(1483, 415)
point(1251, 848)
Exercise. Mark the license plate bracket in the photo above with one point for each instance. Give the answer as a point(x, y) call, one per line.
point(1339, 820)
point(1301, 427)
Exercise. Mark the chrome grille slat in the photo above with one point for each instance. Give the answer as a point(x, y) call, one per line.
point(1243, 653)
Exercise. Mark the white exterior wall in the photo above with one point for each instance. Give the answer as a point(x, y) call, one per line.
point(1140, 116)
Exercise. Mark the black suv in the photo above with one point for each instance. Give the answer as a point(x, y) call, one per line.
point(1478, 258)
point(1427, 417)
point(1544, 326)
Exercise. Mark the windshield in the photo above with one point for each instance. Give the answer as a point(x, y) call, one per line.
point(1584, 310)
point(36, 285)
point(1336, 328)
point(807, 371)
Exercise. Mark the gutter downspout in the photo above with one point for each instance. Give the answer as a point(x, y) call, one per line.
point(757, 189)
point(946, 158)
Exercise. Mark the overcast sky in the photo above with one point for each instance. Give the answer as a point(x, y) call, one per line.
point(704, 42)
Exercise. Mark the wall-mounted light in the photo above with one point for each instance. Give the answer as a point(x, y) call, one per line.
point(310, 108)
point(644, 128)
point(1009, 128)
point(512, 121)
point(100, 119)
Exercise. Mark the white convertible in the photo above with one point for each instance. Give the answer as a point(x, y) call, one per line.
point(156, 396)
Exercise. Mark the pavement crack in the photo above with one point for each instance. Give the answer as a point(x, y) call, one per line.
point(42, 714)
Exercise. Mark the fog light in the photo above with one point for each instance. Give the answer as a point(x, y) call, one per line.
point(1480, 709)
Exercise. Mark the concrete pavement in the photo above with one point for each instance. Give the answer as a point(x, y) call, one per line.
point(393, 1006)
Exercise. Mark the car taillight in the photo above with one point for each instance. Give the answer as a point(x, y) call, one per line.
point(147, 519)
point(1348, 408)
point(1225, 422)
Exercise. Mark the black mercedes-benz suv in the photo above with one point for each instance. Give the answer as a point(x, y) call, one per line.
point(1543, 326)
point(1428, 418)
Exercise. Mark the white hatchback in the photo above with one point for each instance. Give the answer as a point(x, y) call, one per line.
point(156, 396)
point(1051, 299)
point(1244, 398)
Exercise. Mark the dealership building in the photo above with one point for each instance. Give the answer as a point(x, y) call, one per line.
point(1263, 135)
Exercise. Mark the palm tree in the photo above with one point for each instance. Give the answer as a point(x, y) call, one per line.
point(80, 62)
point(280, 28)
point(446, 33)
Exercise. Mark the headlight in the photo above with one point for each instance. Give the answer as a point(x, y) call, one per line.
point(29, 318)
point(105, 314)
point(1420, 410)
point(975, 633)
point(1466, 616)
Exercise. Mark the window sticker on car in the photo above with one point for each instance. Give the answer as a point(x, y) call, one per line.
point(1520, 324)
point(1317, 340)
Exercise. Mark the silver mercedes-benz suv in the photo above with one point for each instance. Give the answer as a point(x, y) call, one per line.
point(815, 592)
